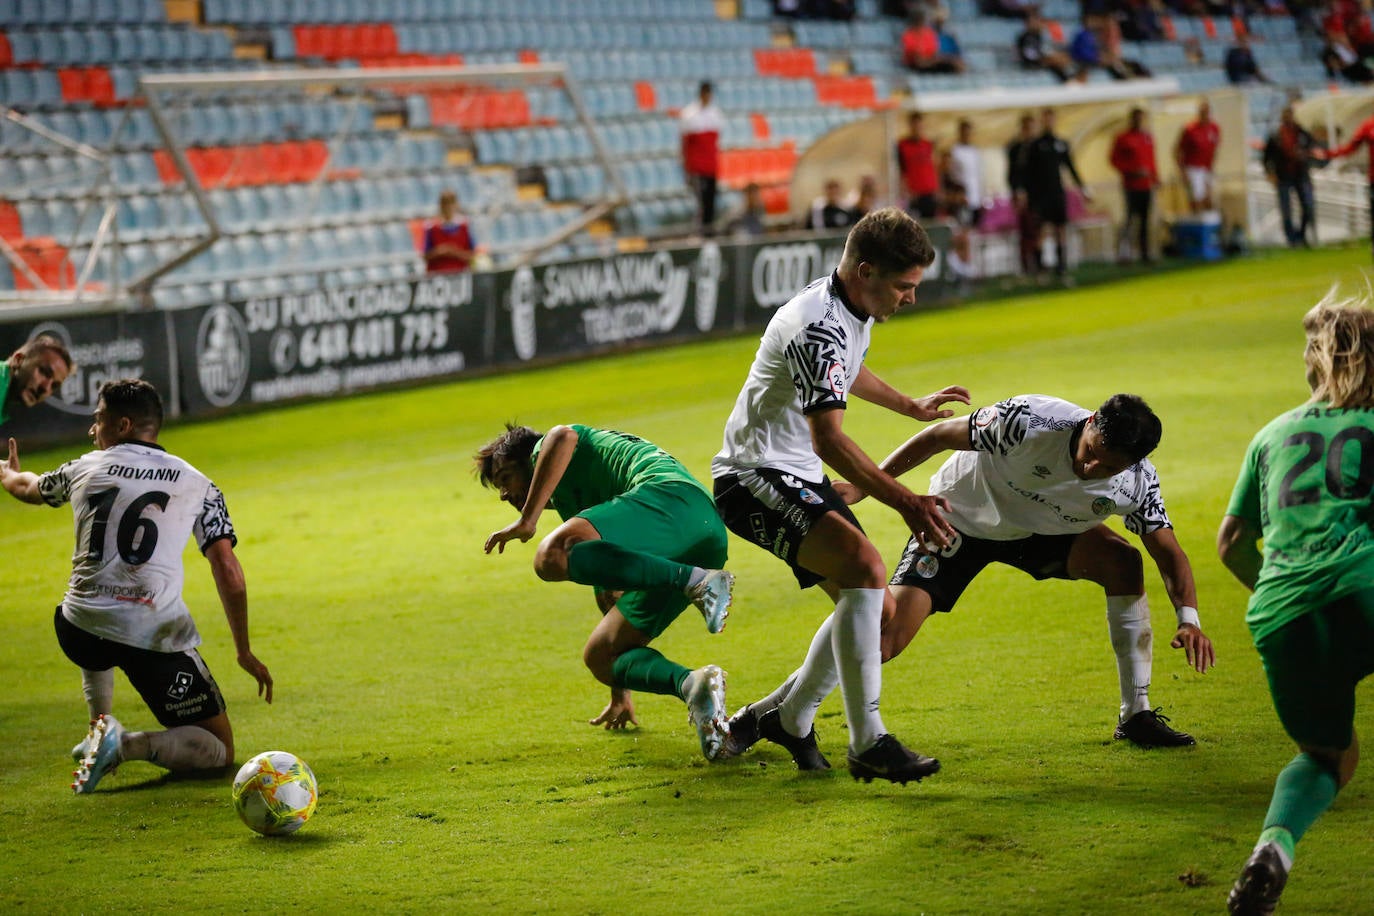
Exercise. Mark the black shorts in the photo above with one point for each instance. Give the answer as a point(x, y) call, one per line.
point(177, 686)
point(776, 510)
point(1052, 210)
point(946, 574)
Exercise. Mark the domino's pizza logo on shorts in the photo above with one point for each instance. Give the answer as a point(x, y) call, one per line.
point(181, 685)
point(1103, 506)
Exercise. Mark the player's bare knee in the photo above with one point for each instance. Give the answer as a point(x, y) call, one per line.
point(597, 656)
point(551, 559)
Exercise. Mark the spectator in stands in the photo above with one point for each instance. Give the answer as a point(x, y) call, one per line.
point(1133, 157)
point(1240, 64)
point(1341, 59)
point(1044, 162)
point(449, 243)
point(1036, 51)
point(701, 123)
point(1363, 136)
point(1287, 161)
point(752, 220)
point(1027, 224)
point(33, 373)
point(1098, 44)
point(1196, 154)
point(829, 211)
point(916, 162)
point(921, 48)
point(1139, 20)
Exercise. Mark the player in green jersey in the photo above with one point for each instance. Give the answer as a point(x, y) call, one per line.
point(33, 373)
point(639, 529)
point(1304, 489)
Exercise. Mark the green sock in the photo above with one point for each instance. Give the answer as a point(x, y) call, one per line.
point(1305, 788)
point(647, 670)
point(611, 566)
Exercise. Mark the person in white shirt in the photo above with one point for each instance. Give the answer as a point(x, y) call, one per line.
point(771, 488)
point(135, 506)
point(1030, 483)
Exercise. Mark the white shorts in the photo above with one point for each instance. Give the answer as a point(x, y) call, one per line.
point(1201, 182)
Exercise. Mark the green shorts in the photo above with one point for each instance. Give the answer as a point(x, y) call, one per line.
point(671, 519)
point(1313, 664)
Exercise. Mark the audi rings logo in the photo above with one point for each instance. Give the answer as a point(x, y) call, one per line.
point(222, 355)
point(780, 271)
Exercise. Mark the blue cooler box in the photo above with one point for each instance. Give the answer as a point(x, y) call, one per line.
point(1199, 236)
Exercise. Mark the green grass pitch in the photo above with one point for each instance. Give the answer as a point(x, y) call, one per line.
point(439, 694)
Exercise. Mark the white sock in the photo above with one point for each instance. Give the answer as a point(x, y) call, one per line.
point(1128, 622)
point(774, 699)
point(802, 693)
point(186, 747)
point(858, 654)
point(98, 687)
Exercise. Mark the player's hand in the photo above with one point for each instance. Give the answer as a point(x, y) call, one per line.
point(11, 465)
point(1196, 646)
point(618, 714)
point(925, 517)
point(249, 662)
point(929, 407)
point(516, 531)
point(848, 492)
point(1086, 195)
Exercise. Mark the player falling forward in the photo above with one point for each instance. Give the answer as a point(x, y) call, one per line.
point(641, 531)
point(771, 487)
point(1304, 489)
point(136, 505)
point(1029, 484)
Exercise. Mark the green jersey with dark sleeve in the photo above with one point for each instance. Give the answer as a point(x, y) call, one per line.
point(4, 391)
point(606, 464)
point(1305, 485)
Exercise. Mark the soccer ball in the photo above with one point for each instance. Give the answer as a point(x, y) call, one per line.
point(274, 793)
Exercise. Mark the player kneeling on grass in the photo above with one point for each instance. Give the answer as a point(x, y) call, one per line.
point(1304, 489)
point(639, 529)
point(1029, 484)
point(136, 505)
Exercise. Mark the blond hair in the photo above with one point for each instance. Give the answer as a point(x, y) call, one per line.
point(1340, 349)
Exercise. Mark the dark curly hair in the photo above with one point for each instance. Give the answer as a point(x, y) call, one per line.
point(516, 444)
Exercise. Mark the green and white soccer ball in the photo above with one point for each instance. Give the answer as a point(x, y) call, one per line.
point(274, 793)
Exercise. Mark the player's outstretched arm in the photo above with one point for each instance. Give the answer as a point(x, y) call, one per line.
point(1238, 548)
point(870, 388)
point(942, 436)
point(233, 595)
point(924, 515)
point(1177, 574)
point(554, 455)
point(22, 485)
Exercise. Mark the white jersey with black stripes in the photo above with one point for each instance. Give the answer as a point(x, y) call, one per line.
point(1019, 478)
point(808, 358)
point(135, 506)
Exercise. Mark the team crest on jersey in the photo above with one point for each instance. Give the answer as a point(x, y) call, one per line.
point(927, 566)
point(808, 496)
point(1041, 471)
point(181, 685)
point(1103, 507)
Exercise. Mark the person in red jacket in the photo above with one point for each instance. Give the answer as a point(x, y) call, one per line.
point(1196, 153)
point(701, 123)
point(920, 177)
point(449, 243)
point(1363, 136)
point(1133, 155)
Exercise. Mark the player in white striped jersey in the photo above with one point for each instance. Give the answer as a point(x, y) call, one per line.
point(1030, 483)
point(771, 487)
point(135, 506)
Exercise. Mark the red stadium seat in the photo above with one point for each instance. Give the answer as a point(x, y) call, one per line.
point(6, 53)
point(11, 224)
point(645, 96)
point(759, 123)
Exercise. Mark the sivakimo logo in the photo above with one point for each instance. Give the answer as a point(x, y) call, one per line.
point(222, 355)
